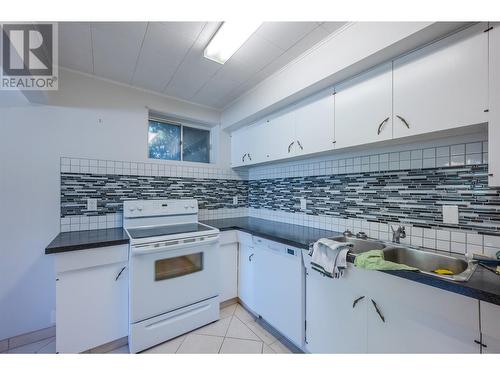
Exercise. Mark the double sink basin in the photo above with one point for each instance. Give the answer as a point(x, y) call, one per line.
point(426, 261)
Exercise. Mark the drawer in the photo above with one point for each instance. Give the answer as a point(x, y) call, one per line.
point(228, 237)
point(80, 259)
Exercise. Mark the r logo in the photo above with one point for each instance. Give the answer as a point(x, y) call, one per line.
point(27, 49)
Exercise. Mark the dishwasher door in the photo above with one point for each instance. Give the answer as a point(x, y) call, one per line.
point(280, 284)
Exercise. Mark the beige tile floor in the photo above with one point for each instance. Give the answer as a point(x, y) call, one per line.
point(235, 332)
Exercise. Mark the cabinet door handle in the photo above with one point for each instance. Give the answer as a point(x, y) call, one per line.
point(243, 157)
point(378, 311)
point(290, 146)
point(120, 273)
point(403, 121)
point(480, 343)
point(250, 257)
point(249, 156)
point(381, 125)
point(356, 301)
point(298, 142)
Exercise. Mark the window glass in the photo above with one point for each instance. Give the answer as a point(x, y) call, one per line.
point(164, 141)
point(196, 145)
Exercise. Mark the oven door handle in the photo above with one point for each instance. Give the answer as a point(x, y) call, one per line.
point(151, 249)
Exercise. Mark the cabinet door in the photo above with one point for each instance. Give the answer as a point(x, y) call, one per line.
point(315, 124)
point(494, 106)
point(490, 327)
point(91, 307)
point(333, 324)
point(418, 318)
point(239, 147)
point(280, 135)
point(443, 85)
point(363, 108)
point(228, 271)
point(279, 289)
point(246, 276)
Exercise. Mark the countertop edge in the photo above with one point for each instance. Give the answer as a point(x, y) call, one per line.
point(86, 246)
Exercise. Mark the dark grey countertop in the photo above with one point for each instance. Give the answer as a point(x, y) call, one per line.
point(87, 239)
point(289, 234)
point(483, 285)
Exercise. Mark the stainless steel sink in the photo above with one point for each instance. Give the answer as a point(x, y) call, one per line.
point(427, 262)
point(360, 245)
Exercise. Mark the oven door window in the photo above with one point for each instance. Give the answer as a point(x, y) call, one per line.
point(179, 266)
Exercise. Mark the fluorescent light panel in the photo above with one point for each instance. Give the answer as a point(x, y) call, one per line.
point(228, 39)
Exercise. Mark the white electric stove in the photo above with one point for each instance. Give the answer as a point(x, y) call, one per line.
point(173, 270)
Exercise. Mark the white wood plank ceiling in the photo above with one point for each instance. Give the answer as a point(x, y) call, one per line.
point(167, 57)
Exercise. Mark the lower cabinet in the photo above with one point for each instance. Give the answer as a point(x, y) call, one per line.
point(247, 276)
point(374, 312)
point(228, 265)
point(490, 328)
point(417, 318)
point(335, 313)
point(91, 298)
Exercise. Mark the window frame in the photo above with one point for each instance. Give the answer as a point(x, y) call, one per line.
point(171, 121)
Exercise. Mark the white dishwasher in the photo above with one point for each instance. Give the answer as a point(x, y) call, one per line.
point(280, 283)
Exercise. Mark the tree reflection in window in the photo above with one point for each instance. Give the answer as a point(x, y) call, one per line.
point(164, 141)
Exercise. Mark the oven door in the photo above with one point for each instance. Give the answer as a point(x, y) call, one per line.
point(166, 278)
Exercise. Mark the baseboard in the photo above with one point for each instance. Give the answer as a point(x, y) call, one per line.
point(229, 302)
point(27, 338)
point(105, 348)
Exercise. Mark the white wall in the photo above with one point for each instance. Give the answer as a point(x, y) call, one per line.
point(32, 140)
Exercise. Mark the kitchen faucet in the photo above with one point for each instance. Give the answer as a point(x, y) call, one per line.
point(398, 233)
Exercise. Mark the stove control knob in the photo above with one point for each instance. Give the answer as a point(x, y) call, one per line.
point(186, 207)
point(131, 209)
point(192, 206)
point(139, 208)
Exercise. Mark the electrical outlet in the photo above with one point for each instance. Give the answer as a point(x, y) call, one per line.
point(303, 204)
point(235, 200)
point(450, 214)
point(92, 204)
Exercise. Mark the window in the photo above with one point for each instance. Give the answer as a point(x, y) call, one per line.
point(174, 141)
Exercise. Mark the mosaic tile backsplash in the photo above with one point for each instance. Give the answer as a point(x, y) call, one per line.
point(413, 196)
point(362, 192)
point(112, 190)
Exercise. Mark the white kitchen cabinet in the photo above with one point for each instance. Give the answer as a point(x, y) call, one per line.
point(315, 124)
point(247, 276)
point(418, 318)
point(91, 298)
point(494, 106)
point(279, 137)
point(490, 328)
point(443, 85)
point(279, 288)
point(363, 108)
point(336, 323)
point(246, 146)
point(228, 265)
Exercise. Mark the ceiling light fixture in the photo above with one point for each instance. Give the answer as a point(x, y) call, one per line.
point(228, 39)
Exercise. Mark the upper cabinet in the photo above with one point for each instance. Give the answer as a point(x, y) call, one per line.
point(451, 83)
point(314, 124)
point(443, 85)
point(363, 108)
